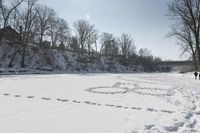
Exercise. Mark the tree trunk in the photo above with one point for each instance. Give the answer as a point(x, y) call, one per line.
point(13, 57)
point(23, 55)
point(198, 50)
point(194, 61)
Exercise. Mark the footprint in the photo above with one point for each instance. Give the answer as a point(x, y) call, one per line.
point(151, 110)
point(6, 94)
point(30, 97)
point(90, 103)
point(17, 96)
point(109, 105)
point(197, 113)
point(189, 115)
point(62, 100)
point(179, 124)
point(116, 84)
point(118, 106)
point(166, 111)
point(173, 128)
point(136, 108)
point(93, 103)
point(76, 101)
point(191, 124)
point(58, 99)
point(87, 102)
point(98, 104)
point(45, 98)
point(147, 127)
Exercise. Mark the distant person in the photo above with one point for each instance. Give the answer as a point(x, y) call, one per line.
point(199, 76)
point(195, 74)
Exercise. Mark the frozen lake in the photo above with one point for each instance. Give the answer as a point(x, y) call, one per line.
point(99, 103)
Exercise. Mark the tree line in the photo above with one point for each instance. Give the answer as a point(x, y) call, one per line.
point(41, 26)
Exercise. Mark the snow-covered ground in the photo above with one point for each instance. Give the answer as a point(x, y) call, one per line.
point(100, 103)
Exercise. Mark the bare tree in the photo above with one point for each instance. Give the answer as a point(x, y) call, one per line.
point(186, 42)
point(188, 12)
point(59, 31)
point(28, 18)
point(84, 30)
point(45, 17)
point(146, 60)
point(109, 44)
point(73, 44)
point(144, 52)
point(15, 22)
point(92, 39)
point(6, 11)
point(95, 39)
point(126, 45)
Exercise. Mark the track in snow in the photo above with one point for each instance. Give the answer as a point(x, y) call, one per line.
point(90, 103)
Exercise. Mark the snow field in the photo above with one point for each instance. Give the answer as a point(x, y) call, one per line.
point(109, 103)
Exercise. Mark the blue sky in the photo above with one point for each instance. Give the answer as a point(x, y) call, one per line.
point(145, 20)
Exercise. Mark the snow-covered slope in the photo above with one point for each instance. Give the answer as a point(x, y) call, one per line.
point(64, 60)
point(99, 103)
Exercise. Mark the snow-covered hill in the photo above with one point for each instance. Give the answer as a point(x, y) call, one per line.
point(67, 61)
point(100, 103)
